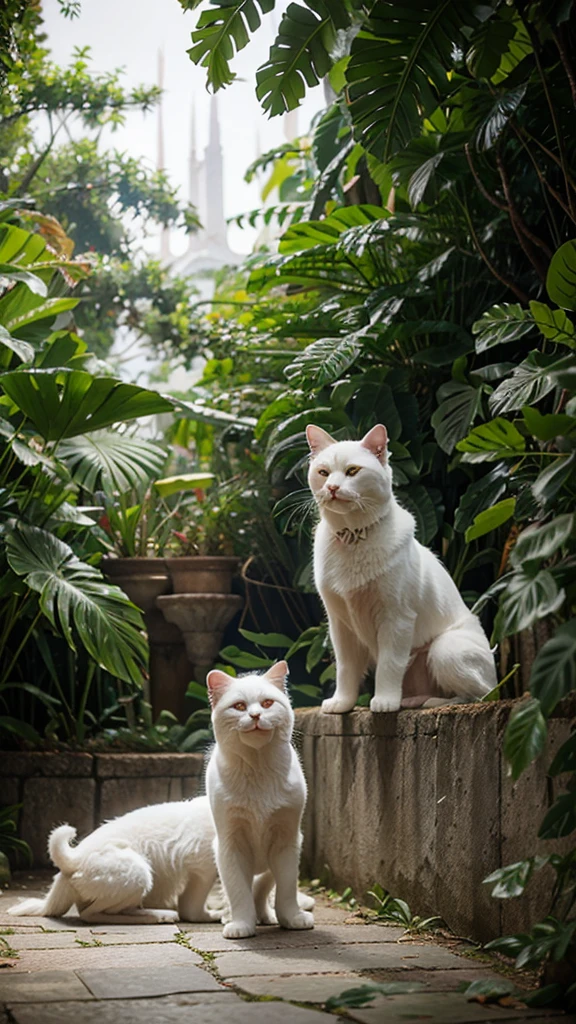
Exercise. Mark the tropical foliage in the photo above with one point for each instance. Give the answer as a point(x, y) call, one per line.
point(425, 277)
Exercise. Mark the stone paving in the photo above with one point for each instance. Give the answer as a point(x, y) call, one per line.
point(66, 972)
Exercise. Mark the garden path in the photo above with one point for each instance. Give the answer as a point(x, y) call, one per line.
point(66, 972)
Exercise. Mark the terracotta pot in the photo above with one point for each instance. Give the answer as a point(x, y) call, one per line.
point(142, 579)
point(202, 574)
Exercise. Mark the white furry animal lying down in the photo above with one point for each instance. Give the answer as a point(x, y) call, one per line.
point(136, 869)
point(149, 866)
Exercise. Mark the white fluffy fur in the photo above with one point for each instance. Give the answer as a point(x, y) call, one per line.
point(391, 604)
point(136, 869)
point(257, 794)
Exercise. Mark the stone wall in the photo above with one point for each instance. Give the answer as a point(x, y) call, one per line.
point(85, 789)
point(422, 803)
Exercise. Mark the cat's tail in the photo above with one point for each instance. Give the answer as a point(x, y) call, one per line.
point(57, 901)
point(64, 856)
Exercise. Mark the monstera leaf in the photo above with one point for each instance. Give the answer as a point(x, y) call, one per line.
point(398, 68)
point(109, 461)
point(65, 403)
point(78, 602)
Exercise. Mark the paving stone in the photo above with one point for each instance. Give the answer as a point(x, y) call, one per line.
point(125, 934)
point(46, 924)
point(156, 955)
point(128, 1011)
point(333, 960)
point(327, 914)
point(280, 938)
point(43, 940)
point(302, 988)
point(43, 987)
point(111, 983)
point(436, 980)
point(159, 1012)
point(439, 1008)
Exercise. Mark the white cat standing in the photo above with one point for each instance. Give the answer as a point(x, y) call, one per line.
point(391, 604)
point(136, 869)
point(257, 793)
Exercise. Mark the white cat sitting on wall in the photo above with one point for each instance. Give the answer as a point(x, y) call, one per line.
point(390, 602)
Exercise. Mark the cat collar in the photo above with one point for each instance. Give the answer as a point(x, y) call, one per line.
point(348, 536)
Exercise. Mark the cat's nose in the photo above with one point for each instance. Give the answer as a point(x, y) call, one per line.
point(333, 488)
point(254, 714)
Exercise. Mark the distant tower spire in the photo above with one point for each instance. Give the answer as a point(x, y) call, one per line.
point(160, 161)
point(195, 167)
point(215, 222)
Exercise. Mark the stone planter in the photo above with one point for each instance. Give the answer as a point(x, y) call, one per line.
point(143, 580)
point(202, 574)
point(202, 619)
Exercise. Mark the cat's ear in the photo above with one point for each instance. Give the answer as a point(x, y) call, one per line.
point(217, 683)
point(318, 438)
point(375, 441)
point(277, 674)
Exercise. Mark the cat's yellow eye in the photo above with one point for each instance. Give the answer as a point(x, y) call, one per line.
point(267, 703)
point(352, 470)
point(323, 472)
point(240, 706)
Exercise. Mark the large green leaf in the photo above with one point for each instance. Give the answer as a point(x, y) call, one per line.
point(525, 735)
point(526, 385)
point(561, 277)
point(560, 820)
point(76, 599)
point(109, 461)
point(553, 324)
point(301, 53)
point(554, 670)
point(491, 519)
point(494, 440)
point(551, 480)
point(501, 325)
point(459, 406)
point(513, 879)
point(480, 495)
point(221, 30)
point(541, 542)
point(325, 360)
point(309, 233)
point(487, 46)
point(22, 349)
point(504, 107)
point(66, 403)
point(398, 68)
point(527, 599)
point(547, 426)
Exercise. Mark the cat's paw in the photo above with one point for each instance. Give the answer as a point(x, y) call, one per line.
point(299, 921)
point(267, 917)
point(305, 901)
point(337, 705)
point(383, 704)
point(238, 930)
point(166, 916)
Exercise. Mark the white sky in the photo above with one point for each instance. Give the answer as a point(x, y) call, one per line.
point(128, 34)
